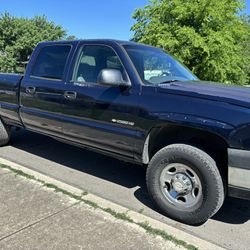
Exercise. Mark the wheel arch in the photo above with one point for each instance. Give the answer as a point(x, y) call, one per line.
point(167, 134)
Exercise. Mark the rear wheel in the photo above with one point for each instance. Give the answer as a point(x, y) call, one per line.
point(4, 133)
point(185, 183)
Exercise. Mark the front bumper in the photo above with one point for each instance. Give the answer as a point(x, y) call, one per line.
point(239, 173)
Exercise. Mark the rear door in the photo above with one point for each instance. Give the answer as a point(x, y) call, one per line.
point(42, 90)
point(100, 116)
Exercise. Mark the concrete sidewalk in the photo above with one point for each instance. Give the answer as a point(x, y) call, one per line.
point(35, 217)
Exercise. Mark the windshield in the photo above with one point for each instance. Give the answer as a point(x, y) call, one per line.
point(154, 66)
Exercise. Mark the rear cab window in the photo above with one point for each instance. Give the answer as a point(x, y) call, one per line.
point(51, 61)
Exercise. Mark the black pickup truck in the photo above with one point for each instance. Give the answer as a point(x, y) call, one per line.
point(137, 103)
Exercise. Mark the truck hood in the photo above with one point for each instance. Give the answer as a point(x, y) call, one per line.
point(209, 90)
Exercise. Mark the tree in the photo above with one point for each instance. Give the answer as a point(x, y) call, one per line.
point(71, 37)
point(19, 36)
point(209, 36)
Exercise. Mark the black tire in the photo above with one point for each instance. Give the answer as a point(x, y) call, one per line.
point(210, 195)
point(4, 134)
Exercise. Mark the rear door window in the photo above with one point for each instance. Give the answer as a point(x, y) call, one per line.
point(50, 62)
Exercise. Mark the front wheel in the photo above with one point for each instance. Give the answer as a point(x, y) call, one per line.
point(185, 183)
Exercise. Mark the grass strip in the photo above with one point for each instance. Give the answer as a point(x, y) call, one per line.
point(117, 215)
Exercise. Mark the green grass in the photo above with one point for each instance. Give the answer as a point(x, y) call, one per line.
point(19, 172)
point(164, 235)
point(63, 191)
point(91, 203)
point(121, 216)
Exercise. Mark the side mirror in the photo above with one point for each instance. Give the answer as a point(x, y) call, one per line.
point(112, 77)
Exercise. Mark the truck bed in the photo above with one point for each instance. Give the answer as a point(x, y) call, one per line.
point(9, 97)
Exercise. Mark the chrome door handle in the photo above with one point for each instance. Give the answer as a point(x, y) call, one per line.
point(70, 95)
point(31, 90)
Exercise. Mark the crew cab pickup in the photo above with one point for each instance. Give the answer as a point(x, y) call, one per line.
point(136, 103)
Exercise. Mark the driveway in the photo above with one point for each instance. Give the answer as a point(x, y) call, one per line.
point(123, 184)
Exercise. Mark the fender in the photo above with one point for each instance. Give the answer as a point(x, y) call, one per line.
point(240, 137)
point(218, 128)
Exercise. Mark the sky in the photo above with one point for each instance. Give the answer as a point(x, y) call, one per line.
point(83, 18)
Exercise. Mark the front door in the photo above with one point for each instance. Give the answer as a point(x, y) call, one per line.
point(100, 116)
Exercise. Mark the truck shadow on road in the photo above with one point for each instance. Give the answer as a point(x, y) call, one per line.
point(234, 211)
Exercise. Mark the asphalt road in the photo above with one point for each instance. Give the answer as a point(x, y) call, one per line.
point(123, 184)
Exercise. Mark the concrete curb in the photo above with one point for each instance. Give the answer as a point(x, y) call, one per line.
point(137, 217)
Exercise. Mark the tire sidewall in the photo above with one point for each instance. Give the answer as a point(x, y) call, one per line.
point(203, 165)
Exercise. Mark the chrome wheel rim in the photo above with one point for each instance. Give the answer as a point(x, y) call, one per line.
point(181, 186)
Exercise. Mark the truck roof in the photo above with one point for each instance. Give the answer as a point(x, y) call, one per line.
point(120, 42)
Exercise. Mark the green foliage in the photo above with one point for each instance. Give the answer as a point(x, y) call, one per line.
point(71, 38)
point(19, 36)
point(209, 36)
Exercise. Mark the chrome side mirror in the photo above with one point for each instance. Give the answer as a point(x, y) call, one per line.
point(112, 77)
